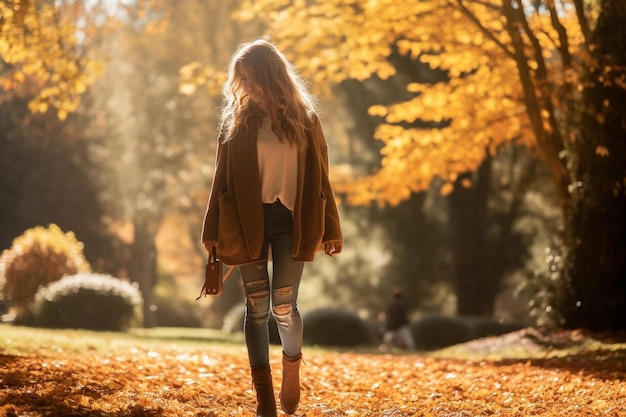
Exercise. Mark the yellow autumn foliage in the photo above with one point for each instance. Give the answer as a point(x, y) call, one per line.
point(43, 46)
point(36, 258)
point(196, 73)
point(481, 107)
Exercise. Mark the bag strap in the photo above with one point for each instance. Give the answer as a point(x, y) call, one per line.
point(227, 274)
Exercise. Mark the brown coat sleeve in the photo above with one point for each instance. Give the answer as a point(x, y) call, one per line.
point(211, 217)
point(332, 224)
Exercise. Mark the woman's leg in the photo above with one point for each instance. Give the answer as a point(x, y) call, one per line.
point(257, 288)
point(285, 285)
point(286, 276)
point(256, 284)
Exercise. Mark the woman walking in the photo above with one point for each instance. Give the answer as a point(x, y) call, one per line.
point(270, 195)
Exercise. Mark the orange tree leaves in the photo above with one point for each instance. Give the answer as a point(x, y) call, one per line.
point(42, 48)
point(45, 47)
point(482, 106)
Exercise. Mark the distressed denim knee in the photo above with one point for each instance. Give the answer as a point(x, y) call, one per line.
point(283, 302)
point(288, 319)
point(257, 299)
point(257, 315)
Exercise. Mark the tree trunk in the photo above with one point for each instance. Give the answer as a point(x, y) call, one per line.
point(539, 103)
point(596, 265)
point(143, 265)
point(468, 228)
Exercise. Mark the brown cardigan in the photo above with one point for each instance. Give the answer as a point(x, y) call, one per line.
point(234, 216)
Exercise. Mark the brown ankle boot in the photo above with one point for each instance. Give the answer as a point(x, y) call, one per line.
point(290, 388)
point(266, 402)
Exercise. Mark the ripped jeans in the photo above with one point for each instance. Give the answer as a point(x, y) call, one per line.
point(282, 290)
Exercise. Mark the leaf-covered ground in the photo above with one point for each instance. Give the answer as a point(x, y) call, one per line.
point(567, 375)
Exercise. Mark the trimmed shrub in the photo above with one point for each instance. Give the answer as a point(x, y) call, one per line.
point(334, 327)
point(490, 326)
point(435, 332)
point(36, 258)
point(88, 301)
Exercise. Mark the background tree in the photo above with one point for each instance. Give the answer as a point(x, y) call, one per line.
point(411, 235)
point(46, 176)
point(595, 296)
point(481, 222)
point(490, 238)
point(143, 136)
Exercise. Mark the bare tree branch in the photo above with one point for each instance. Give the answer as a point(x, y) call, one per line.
point(563, 45)
point(468, 13)
point(582, 20)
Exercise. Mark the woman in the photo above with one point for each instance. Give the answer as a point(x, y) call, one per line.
point(270, 192)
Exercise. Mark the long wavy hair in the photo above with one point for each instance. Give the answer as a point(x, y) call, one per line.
point(280, 94)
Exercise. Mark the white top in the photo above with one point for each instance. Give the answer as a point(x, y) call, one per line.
point(278, 167)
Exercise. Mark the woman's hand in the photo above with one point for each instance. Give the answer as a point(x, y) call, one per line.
point(332, 248)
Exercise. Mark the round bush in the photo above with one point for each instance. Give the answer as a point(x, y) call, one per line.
point(334, 327)
point(436, 331)
point(490, 326)
point(88, 301)
point(36, 258)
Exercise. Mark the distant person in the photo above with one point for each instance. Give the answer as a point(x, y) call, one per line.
point(397, 330)
point(270, 192)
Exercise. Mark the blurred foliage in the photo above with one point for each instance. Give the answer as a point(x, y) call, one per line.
point(47, 176)
point(88, 301)
point(38, 257)
point(417, 234)
point(545, 287)
point(154, 146)
point(42, 49)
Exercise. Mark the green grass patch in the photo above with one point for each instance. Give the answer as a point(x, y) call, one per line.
point(19, 340)
point(526, 344)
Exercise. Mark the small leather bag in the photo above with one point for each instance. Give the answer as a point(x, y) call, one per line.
point(213, 280)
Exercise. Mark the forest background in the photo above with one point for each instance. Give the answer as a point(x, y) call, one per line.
point(476, 147)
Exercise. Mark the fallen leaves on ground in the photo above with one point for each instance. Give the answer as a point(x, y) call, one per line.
point(212, 380)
